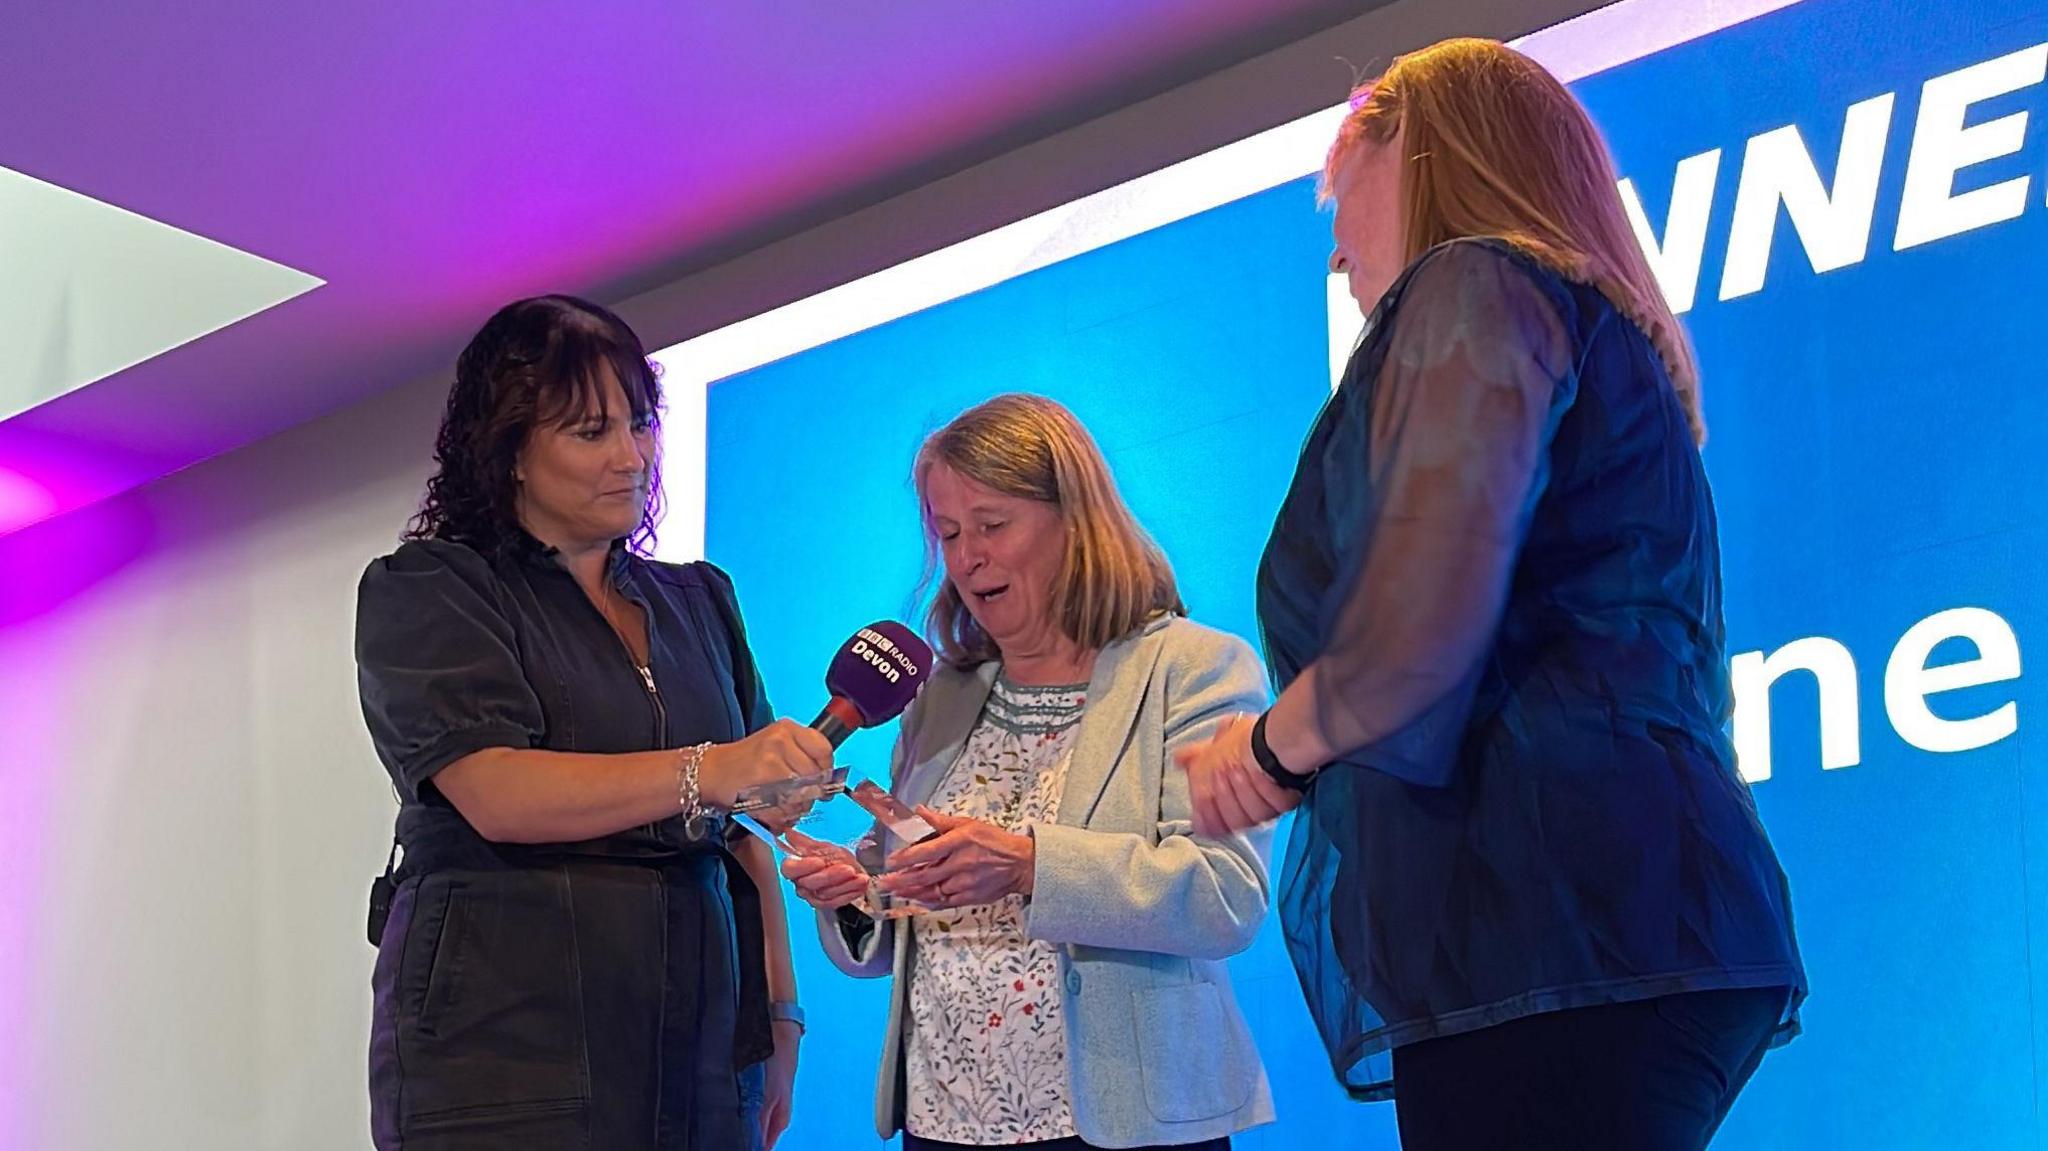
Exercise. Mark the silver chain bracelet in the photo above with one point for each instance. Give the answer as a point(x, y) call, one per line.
point(687, 768)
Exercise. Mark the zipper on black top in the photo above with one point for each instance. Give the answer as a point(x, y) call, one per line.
point(646, 673)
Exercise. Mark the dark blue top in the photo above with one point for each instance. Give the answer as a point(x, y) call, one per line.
point(457, 652)
point(1498, 569)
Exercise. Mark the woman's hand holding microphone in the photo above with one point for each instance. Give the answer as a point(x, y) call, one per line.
point(782, 750)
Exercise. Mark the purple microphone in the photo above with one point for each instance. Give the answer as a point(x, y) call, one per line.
point(873, 678)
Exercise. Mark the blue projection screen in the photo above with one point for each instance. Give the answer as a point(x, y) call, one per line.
point(1848, 199)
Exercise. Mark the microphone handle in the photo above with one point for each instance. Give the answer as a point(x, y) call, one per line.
point(839, 720)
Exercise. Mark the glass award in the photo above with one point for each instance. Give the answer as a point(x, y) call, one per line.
point(794, 794)
point(783, 797)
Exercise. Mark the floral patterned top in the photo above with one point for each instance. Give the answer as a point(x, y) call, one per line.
point(985, 1056)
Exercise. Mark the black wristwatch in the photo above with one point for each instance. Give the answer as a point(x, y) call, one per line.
point(1270, 763)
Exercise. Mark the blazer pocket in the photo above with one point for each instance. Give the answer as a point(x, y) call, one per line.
point(1189, 1054)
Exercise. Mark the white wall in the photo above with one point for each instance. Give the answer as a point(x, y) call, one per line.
point(193, 811)
point(190, 812)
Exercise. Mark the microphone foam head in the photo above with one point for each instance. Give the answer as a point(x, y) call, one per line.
point(879, 670)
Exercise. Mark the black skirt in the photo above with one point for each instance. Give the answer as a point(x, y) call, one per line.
point(583, 1004)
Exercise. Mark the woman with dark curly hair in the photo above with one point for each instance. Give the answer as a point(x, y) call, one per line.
point(570, 957)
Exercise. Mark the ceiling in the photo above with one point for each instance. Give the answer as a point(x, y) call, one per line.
point(395, 172)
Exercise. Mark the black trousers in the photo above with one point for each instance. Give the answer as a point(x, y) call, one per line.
point(1658, 1075)
point(1072, 1143)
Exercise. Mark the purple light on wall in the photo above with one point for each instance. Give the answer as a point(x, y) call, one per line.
point(39, 476)
point(46, 566)
point(46, 683)
point(45, 474)
point(27, 774)
point(23, 501)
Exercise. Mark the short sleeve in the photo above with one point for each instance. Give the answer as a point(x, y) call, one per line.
point(437, 663)
point(746, 674)
point(1478, 372)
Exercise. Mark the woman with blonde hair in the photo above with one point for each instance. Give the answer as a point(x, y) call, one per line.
point(1523, 861)
point(1066, 987)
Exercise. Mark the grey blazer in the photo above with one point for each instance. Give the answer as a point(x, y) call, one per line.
point(1143, 912)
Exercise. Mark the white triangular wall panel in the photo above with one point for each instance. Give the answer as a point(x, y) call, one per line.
point(87, 289)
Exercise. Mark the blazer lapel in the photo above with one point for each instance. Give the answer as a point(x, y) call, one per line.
point(943, 729)
point(1123, 674)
